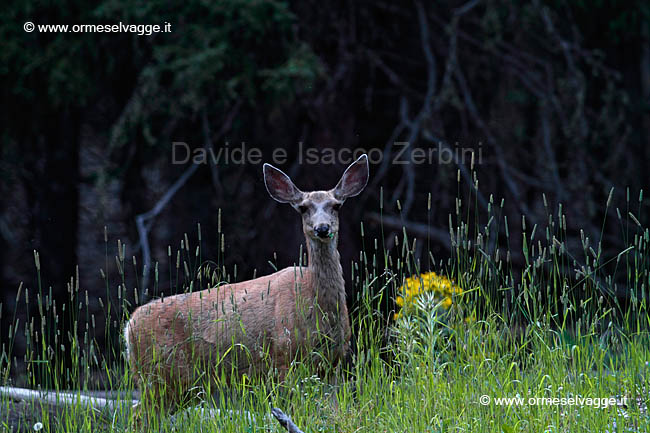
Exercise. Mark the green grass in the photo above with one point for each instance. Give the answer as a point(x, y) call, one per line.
point(547, 332)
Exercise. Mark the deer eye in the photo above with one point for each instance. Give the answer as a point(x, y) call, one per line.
point(336, 206)
point(302, 208)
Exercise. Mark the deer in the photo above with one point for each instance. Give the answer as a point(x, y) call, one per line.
point(253, 326)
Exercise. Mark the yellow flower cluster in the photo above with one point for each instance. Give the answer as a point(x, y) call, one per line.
point(430, 282)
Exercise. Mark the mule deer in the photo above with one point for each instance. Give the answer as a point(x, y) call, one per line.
point(244, 328)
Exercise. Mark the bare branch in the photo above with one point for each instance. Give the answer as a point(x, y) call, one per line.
point(425, 111)
point(471, 107)
point(285, 421)
point(418, 229)
point(464, 172)
point(466, 7)
point(392, 76)
point(144, 220)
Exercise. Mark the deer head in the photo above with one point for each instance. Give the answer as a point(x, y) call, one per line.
point(319, 209)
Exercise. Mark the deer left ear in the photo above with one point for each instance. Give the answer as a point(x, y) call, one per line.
point(279, 186)
point(354, 179)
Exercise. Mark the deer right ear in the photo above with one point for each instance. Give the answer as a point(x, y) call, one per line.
point(354, 179)
point(279, 185)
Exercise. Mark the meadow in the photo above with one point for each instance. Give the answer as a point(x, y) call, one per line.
point(468, 343)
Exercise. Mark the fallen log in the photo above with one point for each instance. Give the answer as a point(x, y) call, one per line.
point(58, 398)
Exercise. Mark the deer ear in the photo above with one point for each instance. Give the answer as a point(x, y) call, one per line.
point(279, 185)
point(354, 179)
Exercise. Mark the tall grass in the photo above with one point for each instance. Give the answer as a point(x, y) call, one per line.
point(550, 327)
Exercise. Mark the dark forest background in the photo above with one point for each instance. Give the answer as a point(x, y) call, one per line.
point(555, 94)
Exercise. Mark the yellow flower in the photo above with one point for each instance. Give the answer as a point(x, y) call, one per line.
point(442, 288)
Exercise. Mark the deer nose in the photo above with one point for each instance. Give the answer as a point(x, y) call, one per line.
point(322, 230)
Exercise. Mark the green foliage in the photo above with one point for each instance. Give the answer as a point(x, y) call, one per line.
point(49, 70)
point(435, 368)
point(215, 54)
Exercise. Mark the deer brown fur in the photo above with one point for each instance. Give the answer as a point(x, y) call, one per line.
point(247, 327)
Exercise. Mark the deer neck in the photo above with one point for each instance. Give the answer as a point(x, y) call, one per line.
point(327, 274)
